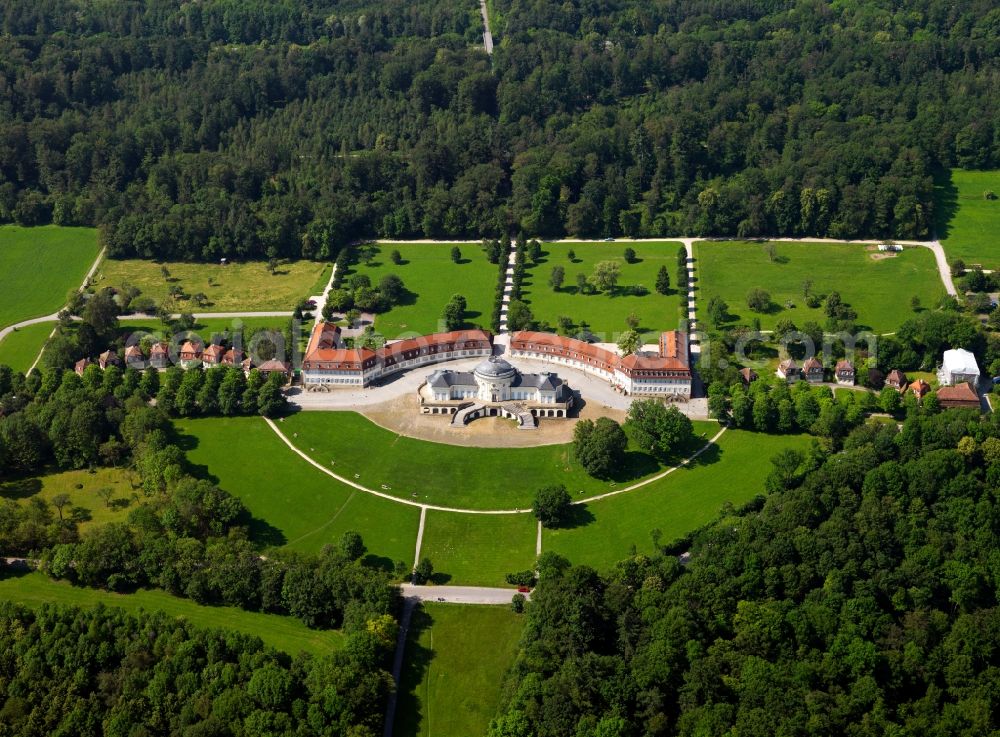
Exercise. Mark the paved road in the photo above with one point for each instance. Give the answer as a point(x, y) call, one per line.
point(397, 663)
point(487, 35)
point(460, 594)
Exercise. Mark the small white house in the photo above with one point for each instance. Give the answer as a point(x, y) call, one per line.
point(958, 366)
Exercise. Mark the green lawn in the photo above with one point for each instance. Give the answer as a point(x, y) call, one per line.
point(878, 290)
point(82, 487)
point(237, 287)
point(689, 498)
point(294, 504)
point(967, 223)
point(456, 658)
point(450, 475)
point(606, 314)
point(478, 549)
point(20, 349)
point(283, 633)
point(39, 266)
point(431, 278)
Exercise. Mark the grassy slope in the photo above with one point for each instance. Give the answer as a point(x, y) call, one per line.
point(239, 287)
point(687, 499)
point(968, 223)
point(879, 291)
point(97, 511)
point(284, 633)
point(478, 549)
point(431, 277)
point(20, 349)
point(606, 314)
point(39, 266)
point(293, 503)
point(446, 475)
point(456, 657)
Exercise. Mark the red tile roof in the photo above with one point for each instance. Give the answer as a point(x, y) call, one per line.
point(133, 351)
point(158, 349)
point(811, 365)
point(845, 365)
point(960, 395)
point(213, 354)
point(570, 347)
point(920, 387)
point(190, 349)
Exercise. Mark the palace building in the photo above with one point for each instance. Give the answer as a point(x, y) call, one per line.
point(327, 365)
point(664, 373)
point(495, 389)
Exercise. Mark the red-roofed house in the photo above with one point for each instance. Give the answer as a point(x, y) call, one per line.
point(108, 358)
point(232, 357)
point(920, 388)
point(897, 380)
point(134, 358)
point(159, 356)
point(812, 370)
point(212, 355)
point(845, 373)
point(80, 366)
point(274, 366)
point(959, 396)
point(789, 370)
point(189, 355)
point(748, 376)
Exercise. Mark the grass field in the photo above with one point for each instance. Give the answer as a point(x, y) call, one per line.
point(237, 287)
point(20, 349)
point(690, 497)
point(478, 549)
point(294, 504)
point(39, 266)
point(449, 475)
point(456, 657)
point(878, 290)
point(967, 223)
point(283, 633)
point(93, 509)
point(606, 314)
point(431, 278)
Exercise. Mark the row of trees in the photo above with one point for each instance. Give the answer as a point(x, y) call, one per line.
point(859, 598)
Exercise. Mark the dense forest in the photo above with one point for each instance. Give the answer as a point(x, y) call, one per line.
point(859, 598)
point(284, 129)
point(104, 673)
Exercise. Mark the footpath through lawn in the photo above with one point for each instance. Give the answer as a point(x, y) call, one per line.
point(603, 532)
point(451, 475)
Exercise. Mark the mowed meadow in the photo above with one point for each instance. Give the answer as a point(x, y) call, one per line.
point(605, 313)
point(39, 266)
point(431, 278)
point(968, 219)
point(879, 287)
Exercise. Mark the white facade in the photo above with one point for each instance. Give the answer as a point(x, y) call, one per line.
point(959, 365)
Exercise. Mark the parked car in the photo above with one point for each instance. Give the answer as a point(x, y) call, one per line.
point(523, 589)
point(309, 304)
point(608, 240)
point(996, 380)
